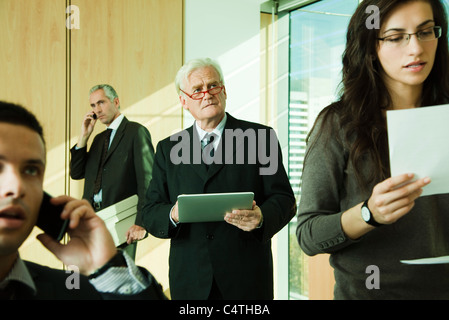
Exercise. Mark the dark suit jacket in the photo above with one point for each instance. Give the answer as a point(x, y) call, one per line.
point(127, 169)
point(240, 262)
point(51, 285)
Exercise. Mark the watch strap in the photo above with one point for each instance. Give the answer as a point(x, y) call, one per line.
point(371, 220)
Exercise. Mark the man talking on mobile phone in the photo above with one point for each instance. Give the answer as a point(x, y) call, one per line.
point(119, 162)
point(106, 273)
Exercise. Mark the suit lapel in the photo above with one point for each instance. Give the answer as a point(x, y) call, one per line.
point(195, 153)
point(219, 158)
point(45, 289)
point(118, 136)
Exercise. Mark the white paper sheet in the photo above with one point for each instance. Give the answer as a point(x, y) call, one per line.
point(437, 260)
point(419, 143)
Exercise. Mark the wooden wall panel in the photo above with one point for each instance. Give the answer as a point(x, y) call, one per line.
point(321, 278)
point(32, 64)
point(32, 67)
point(134, 45)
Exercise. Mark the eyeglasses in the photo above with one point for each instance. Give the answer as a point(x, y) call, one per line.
point(400, 40)
point(200, 95)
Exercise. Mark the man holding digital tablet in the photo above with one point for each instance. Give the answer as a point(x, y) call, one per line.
point(228, 259)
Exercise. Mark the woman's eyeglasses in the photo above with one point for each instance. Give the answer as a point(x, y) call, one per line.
point(400, 40)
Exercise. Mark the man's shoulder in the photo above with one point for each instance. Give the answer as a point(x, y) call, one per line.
point(60, 284)
point(42, 272)
point(134, 127)
point(231, 124)
point(41, 269)
point(235, 123)
point(131, 124)
point(174, 138)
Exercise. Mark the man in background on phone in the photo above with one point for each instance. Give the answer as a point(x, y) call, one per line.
point(111, 273)
point(127, 166)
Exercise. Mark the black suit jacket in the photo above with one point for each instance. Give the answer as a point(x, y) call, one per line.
point(127, 169)
point(51, 285)
point(240, 262)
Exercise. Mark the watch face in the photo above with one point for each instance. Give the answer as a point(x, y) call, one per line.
point(365, 214)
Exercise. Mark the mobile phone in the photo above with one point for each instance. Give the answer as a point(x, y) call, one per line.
point(94, 116)
point(49, 219)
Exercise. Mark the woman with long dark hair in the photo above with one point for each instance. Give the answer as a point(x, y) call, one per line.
point(350, 206)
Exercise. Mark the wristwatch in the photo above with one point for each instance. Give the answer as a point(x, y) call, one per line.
point(367, 216)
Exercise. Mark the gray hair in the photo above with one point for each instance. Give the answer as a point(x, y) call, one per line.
point(109, 91)
point(193, 65)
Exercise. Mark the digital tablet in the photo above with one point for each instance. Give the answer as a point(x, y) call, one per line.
point(209, 207)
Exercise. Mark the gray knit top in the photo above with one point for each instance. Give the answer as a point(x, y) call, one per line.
point(369, 267)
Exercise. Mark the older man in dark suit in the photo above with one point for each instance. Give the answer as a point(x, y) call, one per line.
point(123, 169)
point(231, 259)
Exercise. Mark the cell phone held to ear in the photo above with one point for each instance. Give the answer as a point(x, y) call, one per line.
point(49, 219)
